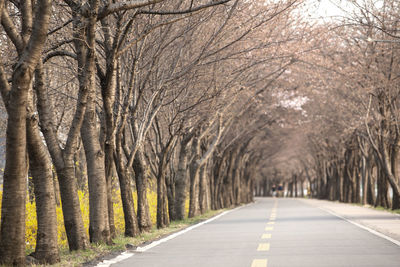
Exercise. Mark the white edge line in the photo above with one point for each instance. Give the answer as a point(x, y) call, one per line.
point(126, 254)
point(363, 227)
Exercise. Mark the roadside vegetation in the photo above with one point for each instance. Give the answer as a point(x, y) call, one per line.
point(342, 143)
point(96, 252)
point(121, 243)
point(131, 115)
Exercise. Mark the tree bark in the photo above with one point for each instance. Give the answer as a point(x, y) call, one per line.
point(46, 251)
point(63, 161)
point(194, 207)
point(364, 180)
point(371, 197)
point(203, 192)
point(73, 221)
point(181, 181)
point(12, 229)
point(394, 157)
point(141, 179)
point(109, 171)
point(108, 89)
point(81, 168)
point(99, 230)
point(162, 214)
point(12, 237)
point(131, 223)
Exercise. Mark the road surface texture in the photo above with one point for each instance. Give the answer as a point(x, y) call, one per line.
point(275, 232)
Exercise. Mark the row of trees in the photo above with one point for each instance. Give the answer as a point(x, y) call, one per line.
point(128, 94)
point(350, 122)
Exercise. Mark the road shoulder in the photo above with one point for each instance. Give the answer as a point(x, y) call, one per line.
point(383, 222)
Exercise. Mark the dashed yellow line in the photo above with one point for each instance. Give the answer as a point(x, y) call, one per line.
point(266, 246)
point(259, 263)
point(266, 236)
point(263, 247)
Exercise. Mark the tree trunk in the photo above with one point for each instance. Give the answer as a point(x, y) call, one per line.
point(364, 180)
point(265, 187)
point(143, 212)
point(218, 173)
point(181, 182)
point(194, 169)
point(170, 195)
point(12, 237)
point(203, 192)
point(64, 165)
point(382, 199)
point(99, 229)
point(81, 169)
point(371, 197)
point(73, 221)
point(12, 229)
point(228, 181)
point(194, 208)
point(56, 187)
point(109, 171)
point(302, 188)
point(46, 251)
point(162, 214)
point(386, 160)
point(394, 156)
point(236, 189)
point(131, 223)
point(290, 189)
point(108, 88)
point(341, 186)
point(357, 192)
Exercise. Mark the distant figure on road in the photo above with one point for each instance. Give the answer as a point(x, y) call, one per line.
point(280, 190)
point(274, 190)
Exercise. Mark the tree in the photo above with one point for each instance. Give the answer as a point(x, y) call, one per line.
point(28, 44)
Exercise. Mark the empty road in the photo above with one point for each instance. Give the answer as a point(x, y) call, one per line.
point(272, 232)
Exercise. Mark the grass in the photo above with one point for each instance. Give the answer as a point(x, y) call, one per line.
point(385, 209)
point(397, 211)
point(97, 251)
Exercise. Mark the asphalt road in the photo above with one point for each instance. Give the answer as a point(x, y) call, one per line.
point(272, 232)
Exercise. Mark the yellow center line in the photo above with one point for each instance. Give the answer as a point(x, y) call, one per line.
point(259, 263)
point(266, 236)
point(263, 247)
point(271, 223)
point(269, 228)
point(272, 218)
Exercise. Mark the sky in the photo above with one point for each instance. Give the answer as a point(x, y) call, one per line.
point(326, 9)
